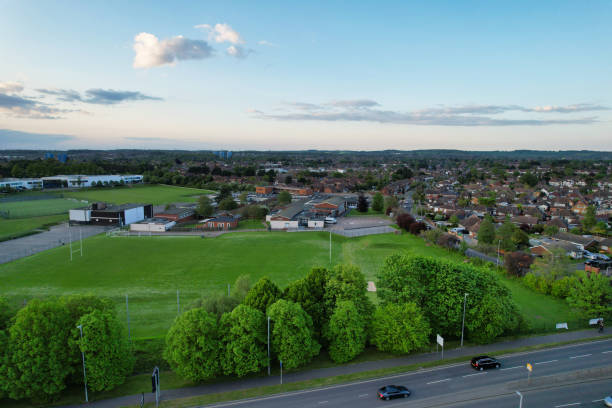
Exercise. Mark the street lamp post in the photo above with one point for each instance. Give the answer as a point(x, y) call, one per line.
point(268, 345)
point(498, 244)
point(84, 370)
point(463, 322)
point(521, 400)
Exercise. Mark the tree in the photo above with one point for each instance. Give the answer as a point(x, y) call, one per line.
point(38, 361)
point(400, 328)
point(362, 204)
point(193, 346)
point(517, 263)
point(262, 295)
point(417, 227)
point(551, 230)
point(284, 197)
point(520, 238)
point(225, 191)
point(347, 282)
point(529, 179)
point(486, 232)
point(309, 293)
point(205, 208)
point(241, 287)
point(390, 203)
point(243, 341)
point(591, 296)
point(293, 340)
point(454, 220)
point(244, 197)
point(288, 179)
point(346, 332)
point(554, 265)
point(216, 304)
point(5, 313)
point(589, 219)
point(505, 234)
point(438, 286)
point(378, 202)
point(228, 204)
point(109, 358)
point(404, 221)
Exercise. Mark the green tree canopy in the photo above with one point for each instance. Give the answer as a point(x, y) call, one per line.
point(505, 234)
point(589, 219)
point(438, 286)
point(591, 296)
point(244, 341)
point(205, 208)
point(486, 232)
point(107, 352)
point(262, 295)
point(347, 282)
point(284, 197)
point(378, 202)
point(362, 204)
point(193, 346)
point(400, 328)
point(228, 204)
point(346, 332)
point(292, 336)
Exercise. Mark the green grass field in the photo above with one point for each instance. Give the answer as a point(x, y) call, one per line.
point(15, 228)
point(37, 208)
point(152, 269)
point(251, 224)
point(354, 213)
point(149, 194)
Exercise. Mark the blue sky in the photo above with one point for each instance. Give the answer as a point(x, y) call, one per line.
point(302, 75)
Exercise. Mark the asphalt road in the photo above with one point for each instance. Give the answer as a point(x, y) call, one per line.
point(450, 385)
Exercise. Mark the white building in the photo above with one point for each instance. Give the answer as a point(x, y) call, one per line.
point(21, 184)
point(152, 225)
point(79, 180)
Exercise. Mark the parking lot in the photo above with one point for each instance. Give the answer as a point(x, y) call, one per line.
point(359, 226)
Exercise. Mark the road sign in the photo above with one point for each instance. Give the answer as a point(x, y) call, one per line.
point(595, 321)
point(529, 367)
point(562, 326)
point(440, 340)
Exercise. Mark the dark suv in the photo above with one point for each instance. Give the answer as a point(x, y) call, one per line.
point(484, 362)
point(393, 391)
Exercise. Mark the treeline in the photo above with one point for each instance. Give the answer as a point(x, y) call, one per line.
point(51, 167)
point(329, 310)
point(41, 345)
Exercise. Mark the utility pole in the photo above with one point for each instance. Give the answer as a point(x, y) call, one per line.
point(84, 370)
point(268, 345)
point(127, 312)
point(330, 261)
point(498, 244)
point(463, 323)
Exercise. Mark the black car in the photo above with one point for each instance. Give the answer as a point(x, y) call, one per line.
point(484, 362)
point(393, 391)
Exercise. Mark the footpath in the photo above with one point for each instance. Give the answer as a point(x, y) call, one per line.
point(228, 386)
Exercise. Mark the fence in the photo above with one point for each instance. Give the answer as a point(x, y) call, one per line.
point(360, 232)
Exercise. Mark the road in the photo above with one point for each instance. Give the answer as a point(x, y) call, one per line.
point(451, 385)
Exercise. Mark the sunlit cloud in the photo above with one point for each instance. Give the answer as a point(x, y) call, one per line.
point(151, 52)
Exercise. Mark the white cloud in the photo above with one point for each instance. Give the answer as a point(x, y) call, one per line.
point(238, 51)
point(10, 87)
point(221, 33)
point(151, 52)
point(267, 43)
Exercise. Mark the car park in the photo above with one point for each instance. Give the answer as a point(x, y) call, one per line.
point(393, 391)
point(485, 362)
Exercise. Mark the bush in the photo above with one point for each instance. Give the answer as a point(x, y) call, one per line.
point(561, 288)
point(404, 221)
point(517, 263)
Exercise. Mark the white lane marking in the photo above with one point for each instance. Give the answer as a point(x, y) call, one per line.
point(567, 405)
point(584, 355)
point(546, 362)
point(323, 402)
point(470, 375)
point(599, 400)
point(405, 374)
point(439, 381)
point(606, 352)
point(363, 395)
point(511, 368)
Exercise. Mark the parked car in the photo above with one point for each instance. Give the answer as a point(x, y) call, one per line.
point(330, 220)
point(603, 257)
point(589, 255)
point(393, 391)
point(484, 362)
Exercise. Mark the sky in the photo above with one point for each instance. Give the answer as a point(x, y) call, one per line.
point(292, 75)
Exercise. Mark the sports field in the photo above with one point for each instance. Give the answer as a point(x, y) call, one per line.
point(37, 208)
point(14, 228)
point(149, 194)
point(152, 269)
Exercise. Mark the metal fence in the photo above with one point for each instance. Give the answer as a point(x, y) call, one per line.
point(360, 232)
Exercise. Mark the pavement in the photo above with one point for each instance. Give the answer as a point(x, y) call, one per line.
point(467, 352)
point(58, 235)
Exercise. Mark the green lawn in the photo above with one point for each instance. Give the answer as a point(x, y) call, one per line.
point(37, 208)
point(152, 269)
point(251, 224)
point(14, 228)
point(149, 194)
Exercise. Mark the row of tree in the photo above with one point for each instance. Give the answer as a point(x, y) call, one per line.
point(41, 345)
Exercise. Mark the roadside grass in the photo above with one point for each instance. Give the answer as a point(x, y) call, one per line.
point(147, 194)
point(37, 208)
point(19, 227)
point(151, 270)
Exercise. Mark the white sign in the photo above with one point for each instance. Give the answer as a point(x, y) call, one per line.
point(562, 326)
point(440, 340)
point(594, 321)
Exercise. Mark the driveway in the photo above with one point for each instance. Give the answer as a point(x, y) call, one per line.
point(57, 235)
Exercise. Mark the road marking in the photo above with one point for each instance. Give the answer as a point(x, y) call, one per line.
point(567, 405)
point(599, 400)
point(511, 368)
point(546, 362)
point(584, 355)
point(439, 381)
point(606, 352)
point(470, 375)
point(363, 395)
point(323, 402)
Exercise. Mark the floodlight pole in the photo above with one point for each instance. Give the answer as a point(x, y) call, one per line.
point(498, 244)
point(463, 323)
point(83, 356)
point(330, 249)
point(81, 239)
point(127, 312)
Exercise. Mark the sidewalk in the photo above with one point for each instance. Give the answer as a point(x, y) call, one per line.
point(345, 369)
